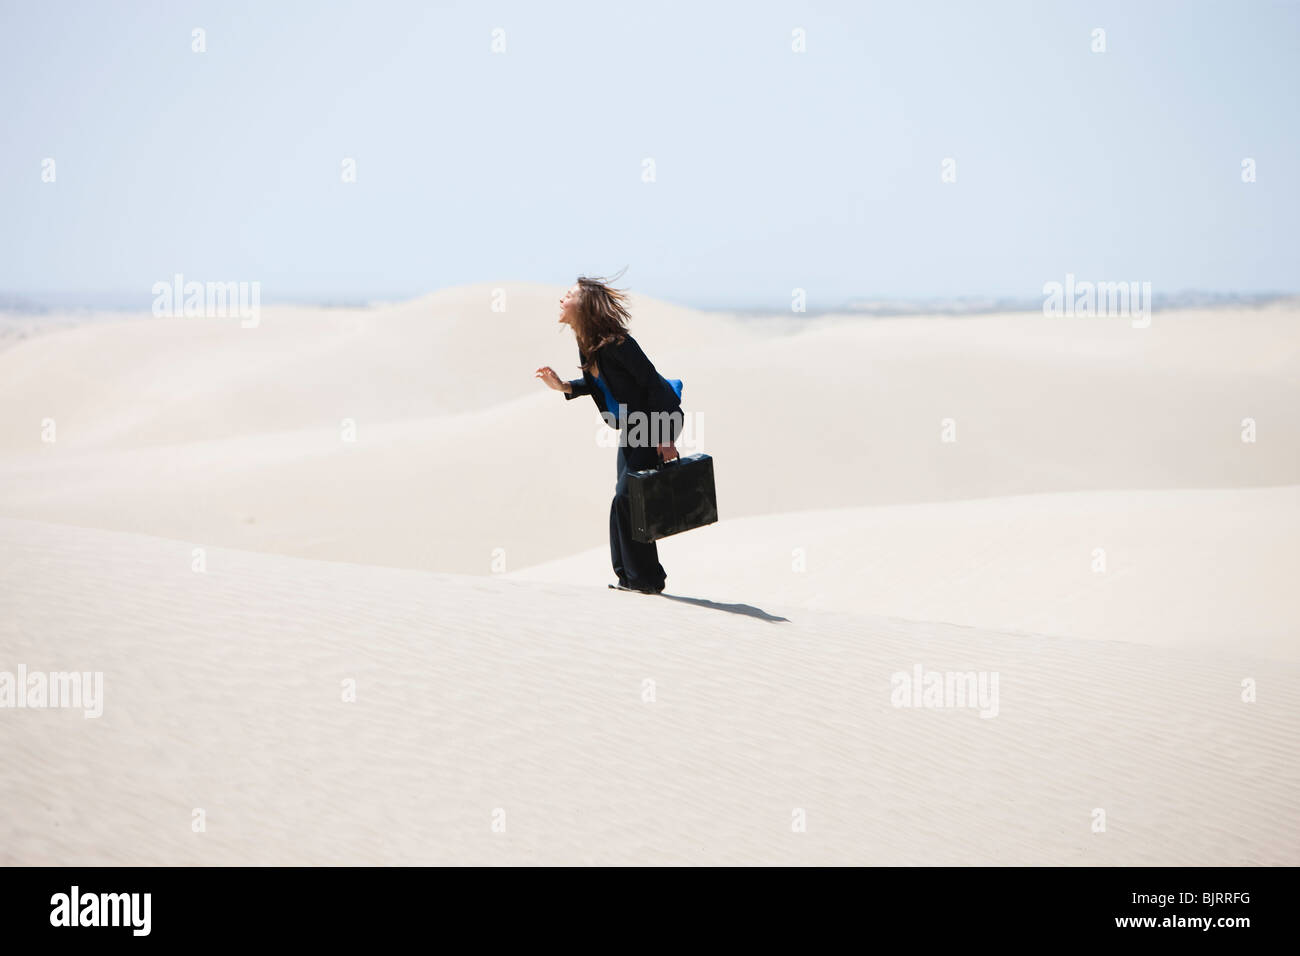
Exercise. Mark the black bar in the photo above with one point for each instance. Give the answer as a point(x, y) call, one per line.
point(921, 906)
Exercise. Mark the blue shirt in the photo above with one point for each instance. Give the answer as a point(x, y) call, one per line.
point(611, 403)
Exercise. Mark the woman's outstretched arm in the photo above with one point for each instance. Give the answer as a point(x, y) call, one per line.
point(570, 389)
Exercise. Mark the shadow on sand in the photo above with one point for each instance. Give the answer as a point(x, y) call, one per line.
point(746, 609)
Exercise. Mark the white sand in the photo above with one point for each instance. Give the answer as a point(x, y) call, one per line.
point(1120, 689)
point(1181, 568)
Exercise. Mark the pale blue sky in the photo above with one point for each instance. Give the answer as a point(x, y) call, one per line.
point(774, 170)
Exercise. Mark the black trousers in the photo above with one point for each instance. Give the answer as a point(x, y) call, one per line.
point(637, 565)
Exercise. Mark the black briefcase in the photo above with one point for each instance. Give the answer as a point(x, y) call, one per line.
point(674, 497)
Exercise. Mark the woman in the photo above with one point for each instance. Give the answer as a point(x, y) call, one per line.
point(631, 397)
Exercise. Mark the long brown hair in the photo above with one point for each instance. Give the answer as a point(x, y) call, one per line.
point(602, 317)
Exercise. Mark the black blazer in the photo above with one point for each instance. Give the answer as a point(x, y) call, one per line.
point(633, 381)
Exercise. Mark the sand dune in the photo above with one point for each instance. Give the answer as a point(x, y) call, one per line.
point(854, 544)
point(223, 693)
point(200, 429)
point(1194, 569)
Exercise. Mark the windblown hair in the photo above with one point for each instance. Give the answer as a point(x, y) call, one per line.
point(602, 317)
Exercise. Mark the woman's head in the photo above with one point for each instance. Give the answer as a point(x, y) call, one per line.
point(597, 314)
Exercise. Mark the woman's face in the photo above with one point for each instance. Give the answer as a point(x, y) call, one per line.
point(569, 306)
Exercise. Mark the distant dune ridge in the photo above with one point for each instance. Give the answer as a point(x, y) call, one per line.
point(231, 523)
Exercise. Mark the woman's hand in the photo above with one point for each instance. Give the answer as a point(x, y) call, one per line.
point(547, 375)
point(668, 452)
